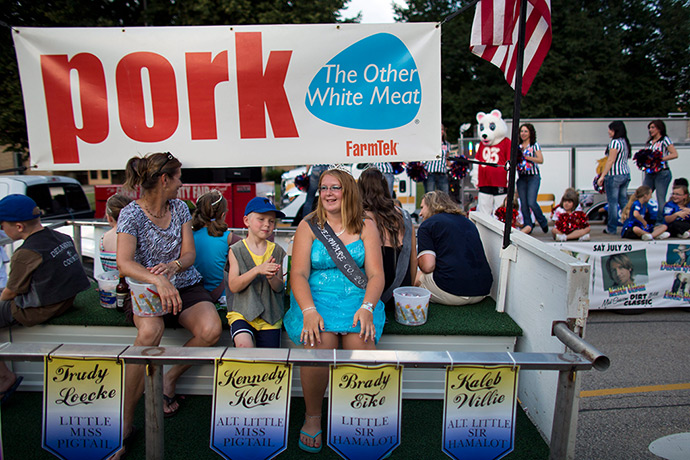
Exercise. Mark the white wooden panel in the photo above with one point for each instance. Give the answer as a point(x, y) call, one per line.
point(544, 285)
point(556, 171)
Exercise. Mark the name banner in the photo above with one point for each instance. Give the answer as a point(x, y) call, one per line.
point(364, 410)
point(479, 411)
point(251, 406)
point(82, 407)
point(222, 96)
point(633, 274)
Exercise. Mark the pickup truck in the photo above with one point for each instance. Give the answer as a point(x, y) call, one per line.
point(58, 197)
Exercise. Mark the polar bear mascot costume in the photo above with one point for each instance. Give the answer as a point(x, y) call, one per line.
point(492, 182)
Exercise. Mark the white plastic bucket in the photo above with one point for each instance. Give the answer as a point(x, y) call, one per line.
point(411, 305)
point(107, 282)
point(145, 299)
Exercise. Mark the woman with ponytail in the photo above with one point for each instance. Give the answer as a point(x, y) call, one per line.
point(155, 243)
point(615, 176)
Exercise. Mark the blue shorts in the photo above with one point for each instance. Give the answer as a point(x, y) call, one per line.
point(266, 338)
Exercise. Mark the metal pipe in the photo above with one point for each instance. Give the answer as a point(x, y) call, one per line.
point(599, 360)
point(77, 239)
point(298, 356)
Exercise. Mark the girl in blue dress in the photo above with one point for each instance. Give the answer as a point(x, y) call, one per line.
point(325, 305)
point(635, 225)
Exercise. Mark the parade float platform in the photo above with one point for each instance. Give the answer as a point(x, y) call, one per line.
point(470, 328)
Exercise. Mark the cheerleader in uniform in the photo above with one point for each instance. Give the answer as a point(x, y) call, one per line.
point(635, 225)
point(570, 222)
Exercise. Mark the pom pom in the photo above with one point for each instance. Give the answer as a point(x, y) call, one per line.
point(569, 222)
point(398, 167)
point(459, 168)
point(595, 183)
point(500, 214)
point(302, 182)
point(648, 160)
point(525, 166)
point(416, 171)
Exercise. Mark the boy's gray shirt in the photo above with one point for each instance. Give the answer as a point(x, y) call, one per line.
point(258, 299)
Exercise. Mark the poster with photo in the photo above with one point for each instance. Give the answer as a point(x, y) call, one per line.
point(635, 274)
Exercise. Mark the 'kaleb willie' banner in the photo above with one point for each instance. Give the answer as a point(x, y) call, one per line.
point(364, 410)
point(220, 96)
point(634, 274)
point(82, 407)
point(479, 411)
point(251, 403)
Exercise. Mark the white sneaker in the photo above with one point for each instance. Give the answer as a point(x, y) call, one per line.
point(685, 235)
point(584, 237)
point(647, 237)
point(561, 237)
point(663, 236)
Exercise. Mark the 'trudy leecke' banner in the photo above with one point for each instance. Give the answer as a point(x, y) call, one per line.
point(220, 96)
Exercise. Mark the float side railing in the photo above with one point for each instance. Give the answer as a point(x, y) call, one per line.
point(155, 357)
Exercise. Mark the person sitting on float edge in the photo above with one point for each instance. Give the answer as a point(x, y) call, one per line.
point(452, 263)
point(45, 278)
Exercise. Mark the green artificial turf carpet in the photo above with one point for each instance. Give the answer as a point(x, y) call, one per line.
point(481, 319)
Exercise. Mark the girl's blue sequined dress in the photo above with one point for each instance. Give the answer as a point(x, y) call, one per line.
point(336, 298)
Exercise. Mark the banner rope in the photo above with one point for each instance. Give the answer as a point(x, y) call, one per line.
point(460, 11)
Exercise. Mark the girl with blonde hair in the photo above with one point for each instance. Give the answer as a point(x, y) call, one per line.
point(635, 212)
point(330, 300)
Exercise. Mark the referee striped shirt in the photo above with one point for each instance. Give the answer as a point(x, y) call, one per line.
point(532, 168)
point(661, 144)
point(385, 168)
point(439, 166)
point(620, 166)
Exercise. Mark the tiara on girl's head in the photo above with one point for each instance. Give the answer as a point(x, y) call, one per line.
point(340, 167)
point(220, 197)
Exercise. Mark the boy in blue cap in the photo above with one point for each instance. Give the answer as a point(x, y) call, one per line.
point(255, 277)
point(46, 274)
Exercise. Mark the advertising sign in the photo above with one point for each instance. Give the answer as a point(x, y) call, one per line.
point(219, 96)
point(634, 274)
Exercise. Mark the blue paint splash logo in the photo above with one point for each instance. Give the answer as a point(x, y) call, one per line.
point(373, 84)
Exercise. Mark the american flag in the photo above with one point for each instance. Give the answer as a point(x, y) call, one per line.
point(495, 36)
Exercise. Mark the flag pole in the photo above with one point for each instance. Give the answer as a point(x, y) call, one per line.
point(515, 138)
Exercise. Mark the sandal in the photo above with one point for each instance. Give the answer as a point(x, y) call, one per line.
point(170, 400)
point(310, 449)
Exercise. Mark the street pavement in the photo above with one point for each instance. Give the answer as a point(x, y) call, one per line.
point(649, 350)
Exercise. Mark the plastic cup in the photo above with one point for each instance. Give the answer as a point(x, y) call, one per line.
point(107, 282)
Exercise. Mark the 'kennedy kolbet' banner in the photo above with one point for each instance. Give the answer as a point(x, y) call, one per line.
point(231, 96)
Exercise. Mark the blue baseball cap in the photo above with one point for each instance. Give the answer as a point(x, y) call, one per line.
point(18, 208)
point(261, 205)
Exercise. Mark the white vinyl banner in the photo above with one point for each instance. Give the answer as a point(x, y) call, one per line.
point(634, 274)
point(223, 96)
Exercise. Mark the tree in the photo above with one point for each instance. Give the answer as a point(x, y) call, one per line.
point(607, 59)
point(131, 13)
